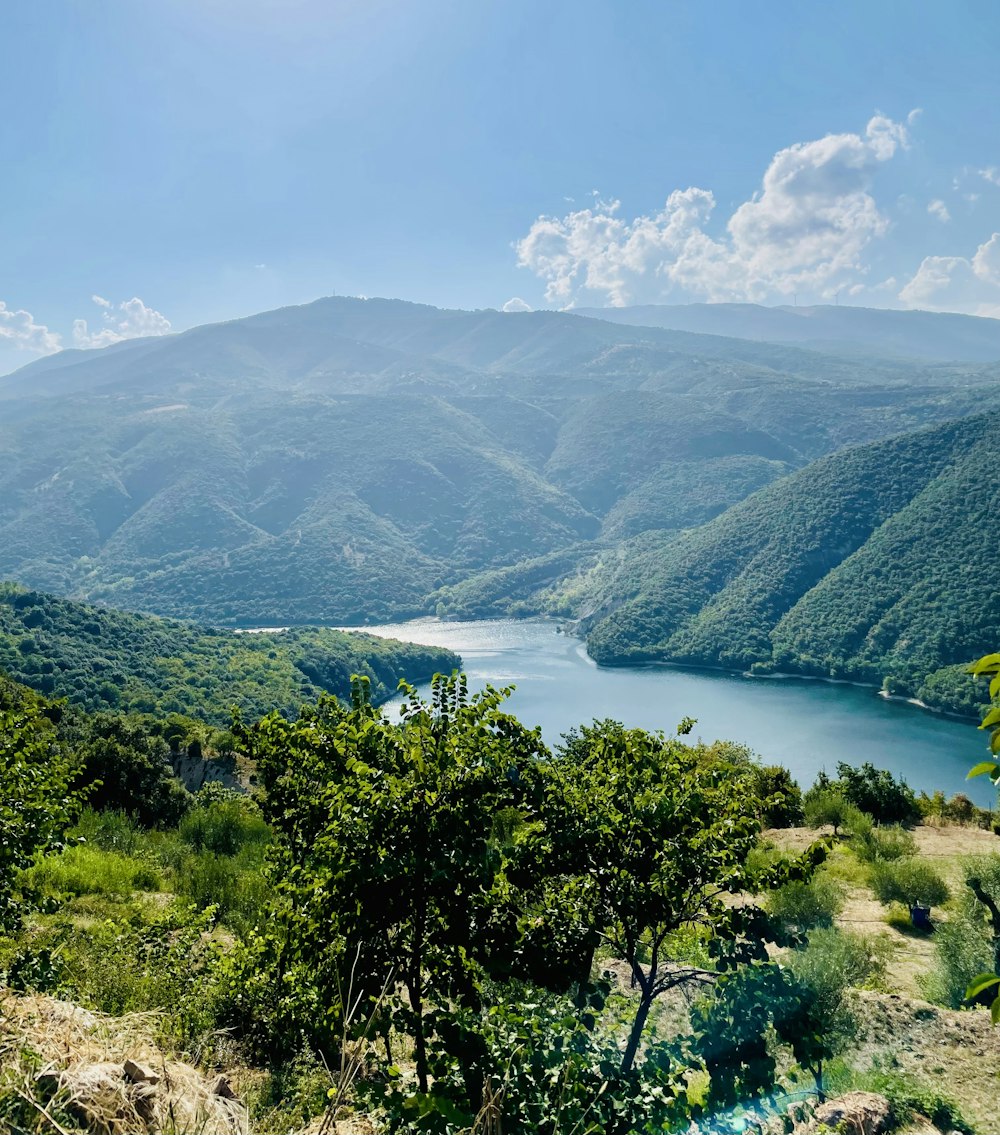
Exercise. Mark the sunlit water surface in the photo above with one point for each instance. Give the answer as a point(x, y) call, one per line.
point(805, 725)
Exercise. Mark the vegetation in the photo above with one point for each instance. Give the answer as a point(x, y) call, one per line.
point(861, 566)
point(493, 929)
point(104, 659)
point(910, 881)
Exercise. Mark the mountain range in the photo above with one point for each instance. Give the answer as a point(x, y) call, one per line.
point(685, 496)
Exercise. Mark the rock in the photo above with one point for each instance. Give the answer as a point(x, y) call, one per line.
point(857, 1113)
point(220, 1086)
point(139, 1073)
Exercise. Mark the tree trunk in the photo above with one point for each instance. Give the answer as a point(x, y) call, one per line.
point(419, 1039)
point(638, 1025)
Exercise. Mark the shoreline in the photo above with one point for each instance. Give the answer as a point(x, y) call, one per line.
point(564, 628)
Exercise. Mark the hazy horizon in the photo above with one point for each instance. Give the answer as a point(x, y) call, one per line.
point(189, 163)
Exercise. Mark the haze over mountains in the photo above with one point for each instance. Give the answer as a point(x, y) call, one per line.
point(906, 334)
point(356, 460)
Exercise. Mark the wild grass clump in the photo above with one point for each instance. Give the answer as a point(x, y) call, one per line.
point(84, 870)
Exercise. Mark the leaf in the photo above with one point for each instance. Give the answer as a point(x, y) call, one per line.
point(990, 768)
point(979, 983)
point(989, 663)
point(991, 719)
point(995, 1011)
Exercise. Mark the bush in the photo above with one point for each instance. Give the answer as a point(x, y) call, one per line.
point(909, 1101)
point(233, 885)
point(963, 949)
point(911, 881)
point(781, 797)
point(877, 792)
point(883, 845)
point(799, 906)
point(224, 826)
point(83, 870)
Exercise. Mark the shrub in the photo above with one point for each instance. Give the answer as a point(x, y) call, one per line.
point(799, 906)
point(834, 960)
point(233, 885)
point(911, 881)
point(877, 792)
point(963, 949)
point(781, 797)
point(224, 826)
point(83, 870)
point(882, 845)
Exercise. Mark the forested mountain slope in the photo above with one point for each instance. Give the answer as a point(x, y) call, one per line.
point(103, 659)
point(873, 563)
point(344, 461)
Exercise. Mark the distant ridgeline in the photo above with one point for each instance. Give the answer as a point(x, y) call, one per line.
point(103, 659)
point(682, 496)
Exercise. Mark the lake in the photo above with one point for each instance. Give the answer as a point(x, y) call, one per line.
point(805, 725)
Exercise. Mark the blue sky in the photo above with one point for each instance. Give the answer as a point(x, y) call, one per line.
point(193, 160)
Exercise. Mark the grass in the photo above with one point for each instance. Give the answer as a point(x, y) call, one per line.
point(84, 870)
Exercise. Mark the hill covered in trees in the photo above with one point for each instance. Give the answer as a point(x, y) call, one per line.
point(343, 461)
point(871, 564)
point(102, 659)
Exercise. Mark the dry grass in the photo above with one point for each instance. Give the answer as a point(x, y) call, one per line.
point(63, 1061)
point(947, 845)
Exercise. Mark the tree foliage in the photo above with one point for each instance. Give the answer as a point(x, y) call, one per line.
point(36, 800)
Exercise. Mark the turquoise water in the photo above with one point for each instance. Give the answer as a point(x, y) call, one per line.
point(804, 725)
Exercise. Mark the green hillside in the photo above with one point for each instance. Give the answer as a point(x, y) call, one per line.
point(870, 564)
point(345, 461)
point(103, 659)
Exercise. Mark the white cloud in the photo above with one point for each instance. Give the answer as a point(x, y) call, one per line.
point(937, 208)
point(958, 283)
point(804, 230)
point(516, 304)
point(991, 174)
point(19, 329)
point(131, 319)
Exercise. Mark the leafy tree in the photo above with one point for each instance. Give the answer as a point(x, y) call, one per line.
point(826, 805)
point(878, 793)
point(389, 858)
point(814, 1016)
point(780, 795)
point(36, 801)
point(125, 766)
point(658, 837)
point(911, 881)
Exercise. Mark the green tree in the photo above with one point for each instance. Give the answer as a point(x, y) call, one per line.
point(911, 881)
point(389, 862)
point(657, 837)
point(814, 1016)
point(36, 801)
point(827, 806)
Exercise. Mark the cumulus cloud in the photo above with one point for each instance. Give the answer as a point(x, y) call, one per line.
point(130, 319)
point(958, 283)
point(805, 229)
point(19, 329)
point(516, 304)
point(937, 208)
point(991, 174)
